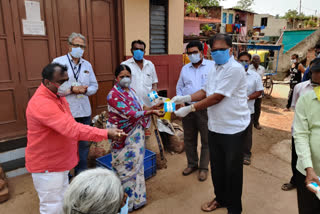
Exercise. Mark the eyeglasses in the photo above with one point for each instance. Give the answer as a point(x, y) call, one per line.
point(194, 52)
point(78, 45)
point(220, 49)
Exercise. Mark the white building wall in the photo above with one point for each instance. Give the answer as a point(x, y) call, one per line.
point(274, 26)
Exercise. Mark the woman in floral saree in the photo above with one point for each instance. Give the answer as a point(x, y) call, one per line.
point(126, 112)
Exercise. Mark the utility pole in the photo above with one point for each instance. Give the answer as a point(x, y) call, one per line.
point(300, 8)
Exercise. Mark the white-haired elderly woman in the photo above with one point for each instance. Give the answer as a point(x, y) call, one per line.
point(82, 83)
point(95, 191)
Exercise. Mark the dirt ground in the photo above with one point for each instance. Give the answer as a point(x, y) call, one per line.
point(170, 192)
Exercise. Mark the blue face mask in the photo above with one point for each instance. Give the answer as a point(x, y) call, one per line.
point(138, 54)
point(245, 65)
point(221, 57)
point(77, 52)
point(125, 208)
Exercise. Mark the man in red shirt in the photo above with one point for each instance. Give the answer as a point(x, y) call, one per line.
point(53, 135)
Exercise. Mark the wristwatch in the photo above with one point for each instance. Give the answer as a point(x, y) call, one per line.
point(193, 109)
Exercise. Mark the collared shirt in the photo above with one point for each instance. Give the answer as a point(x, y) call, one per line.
point(193, 79)
point(53, 133)
point(142, 80)
point(298, 91)
point(79, 103)
point(254, 84)
point(232, 114)
point(307, 132)
point(261, 70)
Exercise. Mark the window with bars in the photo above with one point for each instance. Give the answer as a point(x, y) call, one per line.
point(158, 26)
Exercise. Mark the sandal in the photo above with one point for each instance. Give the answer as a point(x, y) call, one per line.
point(211, 206)
point(288, 187)
point(246, 161)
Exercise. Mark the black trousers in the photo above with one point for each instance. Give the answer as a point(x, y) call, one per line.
point(226, 160)
point(248, 140)
point(308, 202)
point(194, 123)
point(257, 111)
point(294, 158)
point(290, 95)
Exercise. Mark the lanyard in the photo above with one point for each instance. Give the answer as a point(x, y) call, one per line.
point(75, 74)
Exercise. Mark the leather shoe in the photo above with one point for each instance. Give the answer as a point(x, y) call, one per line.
point(189, 170)
point(203, 174)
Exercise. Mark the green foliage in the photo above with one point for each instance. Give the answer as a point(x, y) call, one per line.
point(244, 5)
point(294, 14)
point(206, 28)
point(312, 23)
point(191, 8)
point(204, 3)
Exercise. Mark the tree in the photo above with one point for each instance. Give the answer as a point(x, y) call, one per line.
point(244, 5)
point(294, 14)
point(291, 14)
point(204, 3)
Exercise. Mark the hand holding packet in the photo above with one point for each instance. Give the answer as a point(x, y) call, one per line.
point(153, 96)
point(169, 107)
point(315, 187)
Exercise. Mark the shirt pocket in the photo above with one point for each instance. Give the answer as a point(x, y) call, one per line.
point(204, 79)
point(147, 79)
point(85, 78)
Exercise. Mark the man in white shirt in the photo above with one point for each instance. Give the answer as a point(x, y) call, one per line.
point(254, 90)
point(144, 77)
point(255, 66)
point(225, 96)
point(82, 83)
point(192, 78)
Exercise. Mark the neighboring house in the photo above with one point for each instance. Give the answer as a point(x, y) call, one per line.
point(109, 25)
point(270, 26)
point(232, 16)
point(192, 25)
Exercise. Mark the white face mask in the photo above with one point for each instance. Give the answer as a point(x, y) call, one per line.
point(77, 52)
point(125, 82)
point(195, 58)
point(293, 60)
point(63, 89)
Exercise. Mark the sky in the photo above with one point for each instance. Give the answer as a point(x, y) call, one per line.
point(280, 7)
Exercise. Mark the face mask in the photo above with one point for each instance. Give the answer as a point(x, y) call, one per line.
point(125, 82)
point(293, 60)
point(195, 58)
point(221, 57)
point(125, 208)
point(61, 89)
point(317, 91)
point(138, 54)
point(77, 52)
point(245, 65)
